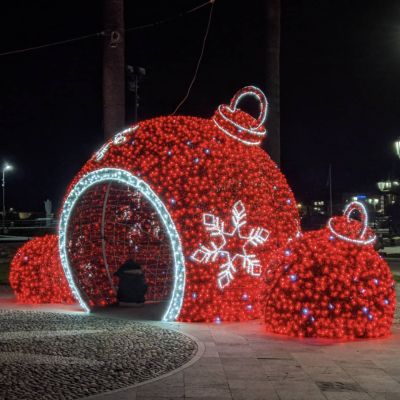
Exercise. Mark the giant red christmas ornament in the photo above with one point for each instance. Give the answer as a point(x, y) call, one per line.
point(36, 274)
point(331, 283)
point(195, 201)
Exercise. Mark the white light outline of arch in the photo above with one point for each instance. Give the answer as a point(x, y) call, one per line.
point(124, 177)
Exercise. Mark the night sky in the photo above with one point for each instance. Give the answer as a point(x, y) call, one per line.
point(340, 85)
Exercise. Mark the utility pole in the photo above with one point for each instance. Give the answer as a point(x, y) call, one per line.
point(113, 67)
point(3, 185)
point(273, 141)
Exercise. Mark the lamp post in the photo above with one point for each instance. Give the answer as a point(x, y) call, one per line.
point(6, 167)
point(397, 147)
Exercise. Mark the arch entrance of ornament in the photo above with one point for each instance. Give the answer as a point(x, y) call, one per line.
point(111, 215)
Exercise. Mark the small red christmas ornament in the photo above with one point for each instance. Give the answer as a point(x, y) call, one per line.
point(36, 274)
point(331, 283)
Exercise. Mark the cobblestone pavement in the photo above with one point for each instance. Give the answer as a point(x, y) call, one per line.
point(241, 362)
point(67, 356)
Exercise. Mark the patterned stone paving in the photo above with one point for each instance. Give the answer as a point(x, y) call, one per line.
point(240, 362)
point(67, 356)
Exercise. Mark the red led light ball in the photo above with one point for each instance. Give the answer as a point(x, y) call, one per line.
point(36, 274)
point(331, 283)
point(206, 172)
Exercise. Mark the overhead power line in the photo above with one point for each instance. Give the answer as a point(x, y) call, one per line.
point(198, 61)
point(43, 46)
point(102, 33)
point(164, 21)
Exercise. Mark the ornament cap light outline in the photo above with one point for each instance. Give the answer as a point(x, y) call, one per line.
point(236, 130)
point(354, 206)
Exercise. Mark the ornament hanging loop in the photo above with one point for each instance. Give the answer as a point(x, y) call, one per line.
point(358, 207)
point(350, 208)
point(229, 119)
point(256, 93)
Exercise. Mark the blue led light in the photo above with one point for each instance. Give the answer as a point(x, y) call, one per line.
point(288, 253)
point(196, 160)
point(386, 302)
point(217, 320)
point(365, 310)
point(331, 306)
point(245, 296)
point(305, 311)
point(293, 277)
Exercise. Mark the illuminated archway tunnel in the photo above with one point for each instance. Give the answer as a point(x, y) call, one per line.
point(109, 216)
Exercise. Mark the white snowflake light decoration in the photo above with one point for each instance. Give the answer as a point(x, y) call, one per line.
point(215, 250)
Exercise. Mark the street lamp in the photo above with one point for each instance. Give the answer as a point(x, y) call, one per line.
point(6, 167)
point(397, 147)
point(388, 186)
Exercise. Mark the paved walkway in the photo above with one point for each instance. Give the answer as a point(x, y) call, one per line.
point(242, 361)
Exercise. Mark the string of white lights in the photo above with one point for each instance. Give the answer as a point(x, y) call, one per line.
point(354, 206)
point(238, 129)
point(119, 138)
point(256, 92)
point(235, 137)
point(216, 227)
point(357, 206)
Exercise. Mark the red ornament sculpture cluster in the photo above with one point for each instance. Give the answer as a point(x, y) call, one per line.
point(331, 283)
point(214, 224)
